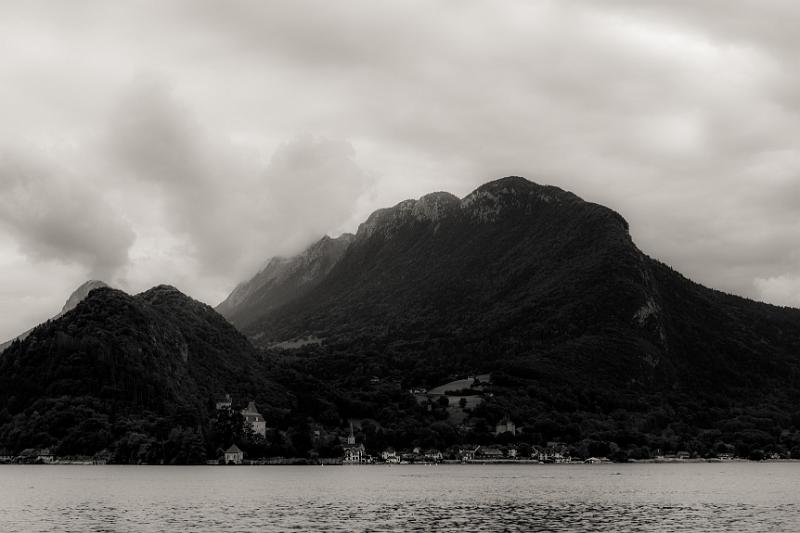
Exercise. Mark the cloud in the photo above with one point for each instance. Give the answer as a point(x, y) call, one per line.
point(233, 209)
point(56, 217)
point(258, 126)
point(781, 290)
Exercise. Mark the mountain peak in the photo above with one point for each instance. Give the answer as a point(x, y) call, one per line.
point(435, 205)
point(293, 275)
point(520, 185)
point(429, 208)
point(77, 296)
point(161, 293)
point(80, 293)
point(487, 201)
point(323, 245)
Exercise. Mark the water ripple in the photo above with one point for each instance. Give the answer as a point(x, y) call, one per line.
point(645, 498)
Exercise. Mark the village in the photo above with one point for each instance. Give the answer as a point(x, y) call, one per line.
point(354, 451)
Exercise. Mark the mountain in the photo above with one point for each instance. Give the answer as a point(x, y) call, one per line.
point(131, 375)
point(283, 279)
point(74, 299)
point(504, 258)
point(80, 294)
point(587, 338)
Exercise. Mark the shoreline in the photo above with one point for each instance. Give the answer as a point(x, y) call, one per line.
point(300, 462)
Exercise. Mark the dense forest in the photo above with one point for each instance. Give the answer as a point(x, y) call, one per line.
point(131, 377)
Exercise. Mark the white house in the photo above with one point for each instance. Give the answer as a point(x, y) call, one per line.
point(254, 419)
point(234, 455)
point(389, 455)
point(433, 455)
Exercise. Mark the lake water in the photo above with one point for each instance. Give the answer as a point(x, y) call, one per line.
point(746, 497)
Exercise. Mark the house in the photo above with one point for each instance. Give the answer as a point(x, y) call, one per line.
point(254, 420)
point(684, 455)
point(354, 454)
point(408, 458)
point(389, 455)
point(555, 452)
point(506, 425)
point(45, 456)
point(6, 456)
point(489, 452)
point(223, 403)
point(468, 452)
point(36, 455)
point(433, 455)
point(234, 455)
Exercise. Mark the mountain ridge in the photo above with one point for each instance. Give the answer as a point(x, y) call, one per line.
point(118, 367)
point(73, 300)
point(586, 337)
point(291, 275)
point(515, 197)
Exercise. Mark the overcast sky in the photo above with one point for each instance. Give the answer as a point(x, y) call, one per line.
point(187, 142)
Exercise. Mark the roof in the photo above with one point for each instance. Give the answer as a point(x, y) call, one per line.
point(233, 449)
point(491, 451)
point(250, 409)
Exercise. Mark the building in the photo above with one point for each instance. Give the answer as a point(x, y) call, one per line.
point(389, 455)
point(506, 425)
point(36, 455)
point(354, 454)
point(554, 452)
point(223, 403)
point(433, 455)
point(234, 455)
point(468, 452)
point(45, 455)
point(254, 420)
point(489, 452)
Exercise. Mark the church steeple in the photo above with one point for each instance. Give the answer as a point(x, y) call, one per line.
point(351, 439)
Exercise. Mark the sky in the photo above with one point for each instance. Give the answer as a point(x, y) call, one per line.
point(186, 142)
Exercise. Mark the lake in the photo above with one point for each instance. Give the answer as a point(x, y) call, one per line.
point(747, 497)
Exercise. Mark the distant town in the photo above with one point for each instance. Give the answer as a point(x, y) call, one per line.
point(354, 452)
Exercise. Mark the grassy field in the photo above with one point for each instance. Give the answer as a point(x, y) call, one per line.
point(455, 410)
